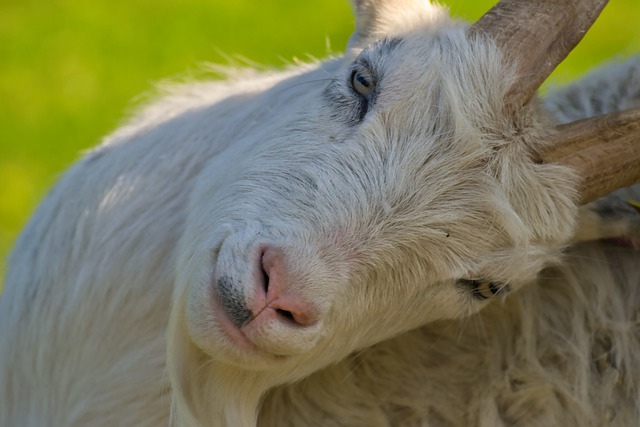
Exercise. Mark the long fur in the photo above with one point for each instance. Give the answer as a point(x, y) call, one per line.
point(382, 214)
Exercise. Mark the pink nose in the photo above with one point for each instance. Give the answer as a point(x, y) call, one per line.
point(277, 293)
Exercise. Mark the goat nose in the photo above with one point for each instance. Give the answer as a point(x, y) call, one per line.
point(276, 293)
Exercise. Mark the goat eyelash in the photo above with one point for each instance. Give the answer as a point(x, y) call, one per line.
point(483, 289)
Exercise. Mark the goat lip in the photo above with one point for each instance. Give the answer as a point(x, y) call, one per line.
point(229, 329)
point(238, 340)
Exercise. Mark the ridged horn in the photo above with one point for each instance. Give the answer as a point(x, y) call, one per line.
point(603, 150)
point(536, 35)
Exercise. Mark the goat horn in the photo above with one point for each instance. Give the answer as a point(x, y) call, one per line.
point(537, 35)
point(604, 150)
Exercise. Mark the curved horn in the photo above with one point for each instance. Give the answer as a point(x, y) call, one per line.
point(603, 150)
point(537, 35)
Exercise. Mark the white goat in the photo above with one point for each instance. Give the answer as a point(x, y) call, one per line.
point(312, 247)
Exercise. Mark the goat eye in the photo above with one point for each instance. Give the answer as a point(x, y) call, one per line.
point(483, 289)
point(361, 83)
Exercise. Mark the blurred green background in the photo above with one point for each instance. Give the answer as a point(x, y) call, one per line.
point(70, 69)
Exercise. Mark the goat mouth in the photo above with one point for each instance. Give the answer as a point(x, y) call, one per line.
point(231, 329)
point(237, 341)
point(230, 325)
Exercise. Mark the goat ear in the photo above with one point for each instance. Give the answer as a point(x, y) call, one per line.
point(611, 218)
point(377, 19)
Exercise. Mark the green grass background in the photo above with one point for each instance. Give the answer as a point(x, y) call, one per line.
point(70, 69)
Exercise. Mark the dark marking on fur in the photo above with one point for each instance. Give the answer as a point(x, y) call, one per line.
point(614, 207)
point(387, 45)
point(233, 302)
point(346, 105)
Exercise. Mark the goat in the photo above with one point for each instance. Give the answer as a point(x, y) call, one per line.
point(404, 235)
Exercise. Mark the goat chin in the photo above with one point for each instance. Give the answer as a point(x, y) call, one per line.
point(365, 241)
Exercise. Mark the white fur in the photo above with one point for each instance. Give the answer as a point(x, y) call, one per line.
point(379, 218)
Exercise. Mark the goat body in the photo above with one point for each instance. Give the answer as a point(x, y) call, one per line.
point(358, 242)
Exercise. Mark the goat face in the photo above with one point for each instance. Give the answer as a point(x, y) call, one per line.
point(391, 190)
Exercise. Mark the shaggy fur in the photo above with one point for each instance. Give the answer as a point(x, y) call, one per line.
point(386, 208)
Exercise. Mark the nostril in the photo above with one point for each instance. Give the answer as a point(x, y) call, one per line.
point(265, 279)
point(268, 264)
point(286, 314)
point(293, 311)
point(277, 290)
